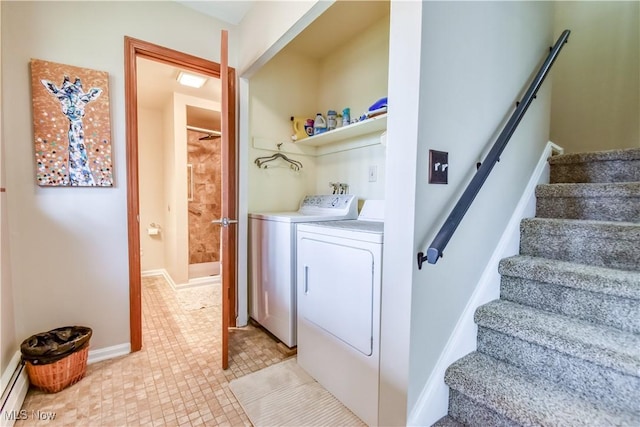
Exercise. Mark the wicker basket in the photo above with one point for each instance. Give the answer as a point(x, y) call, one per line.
point(56, 376)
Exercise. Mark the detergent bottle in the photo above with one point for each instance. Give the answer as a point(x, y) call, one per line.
point(319, 124)
point(299, 131)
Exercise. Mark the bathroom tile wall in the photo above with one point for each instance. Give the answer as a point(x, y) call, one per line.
point(204, 238)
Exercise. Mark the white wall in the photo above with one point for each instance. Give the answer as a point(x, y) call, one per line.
point(69, 245)
point(151, 181)
point(352, 167)
point(277, 93)
point(170, 223)
point(263, 32)
point(475, 60)
point(405, 46)
point(269, 25)
point(355, 75)
point(596, 91)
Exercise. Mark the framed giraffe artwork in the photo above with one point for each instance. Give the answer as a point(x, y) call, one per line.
point(71, 125)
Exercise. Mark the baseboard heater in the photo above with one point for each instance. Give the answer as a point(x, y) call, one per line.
point(13, 396)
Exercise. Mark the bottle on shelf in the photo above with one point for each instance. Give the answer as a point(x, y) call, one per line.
point(319, 124)
point(346, 116)
point(332, 120)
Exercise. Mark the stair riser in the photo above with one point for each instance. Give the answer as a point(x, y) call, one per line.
point(580, 247)
point(590, 380)
point(600, 171)
point(618, 312)
point(595, 208)
point(474, 414)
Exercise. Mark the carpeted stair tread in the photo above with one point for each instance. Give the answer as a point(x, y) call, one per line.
point(528, 400)
point(610, 281)
point(595, 156)
point(603, 229)
point(602, 166)
point(606, 346)
point(611, 244)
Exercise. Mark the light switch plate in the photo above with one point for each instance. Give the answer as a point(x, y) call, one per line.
point(438, 167)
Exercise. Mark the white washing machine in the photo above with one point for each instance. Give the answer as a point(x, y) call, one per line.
point(272, 251)
point(339, 275)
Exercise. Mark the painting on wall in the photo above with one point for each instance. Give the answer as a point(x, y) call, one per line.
point(71, 125)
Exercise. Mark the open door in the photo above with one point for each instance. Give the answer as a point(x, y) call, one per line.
point(137, 48)
point(227, 223)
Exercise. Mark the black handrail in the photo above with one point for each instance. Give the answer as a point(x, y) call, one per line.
point(451, 224)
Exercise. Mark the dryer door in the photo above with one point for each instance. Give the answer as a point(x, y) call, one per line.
point(336, 288)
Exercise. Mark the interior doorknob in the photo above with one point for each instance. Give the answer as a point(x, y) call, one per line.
point(224, 221)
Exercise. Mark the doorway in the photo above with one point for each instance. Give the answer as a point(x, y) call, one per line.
point(135, 49)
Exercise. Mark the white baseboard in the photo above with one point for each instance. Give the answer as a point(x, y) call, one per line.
point(161, 272)
point(195, 282)
point(432, 403)
point(201, 281)
point(9, 371)
point(108, 353)
point(15, 384)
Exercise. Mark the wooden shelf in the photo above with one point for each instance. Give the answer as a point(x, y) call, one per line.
point(374, 124)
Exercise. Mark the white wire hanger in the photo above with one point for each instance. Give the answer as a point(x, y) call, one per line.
point(262, 161)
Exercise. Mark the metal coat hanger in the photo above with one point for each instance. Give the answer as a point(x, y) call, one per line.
point(293, 164)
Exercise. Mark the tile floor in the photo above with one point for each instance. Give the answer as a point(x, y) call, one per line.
point(175, 380)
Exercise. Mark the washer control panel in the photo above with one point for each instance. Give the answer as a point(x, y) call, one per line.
point(328, 202)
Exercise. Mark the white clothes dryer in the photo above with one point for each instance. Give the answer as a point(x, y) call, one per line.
point(339, 275)
point(272, 251)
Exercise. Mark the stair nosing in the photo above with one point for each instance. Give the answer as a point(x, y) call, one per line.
point(609, 349)
point(628, 189)
point(629, 154)
point(628, 230)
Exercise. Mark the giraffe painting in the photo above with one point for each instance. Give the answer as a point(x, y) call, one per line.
point(72, 148)
point(73, 100)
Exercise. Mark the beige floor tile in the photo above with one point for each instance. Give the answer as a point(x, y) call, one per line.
point(175, 380)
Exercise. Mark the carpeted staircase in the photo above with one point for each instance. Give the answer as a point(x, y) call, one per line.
point(561, 347)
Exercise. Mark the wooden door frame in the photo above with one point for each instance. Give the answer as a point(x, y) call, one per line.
point(133, 49)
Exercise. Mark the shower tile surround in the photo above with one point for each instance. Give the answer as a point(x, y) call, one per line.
point(204, 238)
point(175, 379)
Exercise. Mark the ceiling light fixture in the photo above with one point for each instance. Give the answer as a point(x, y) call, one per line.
point(191, 80)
